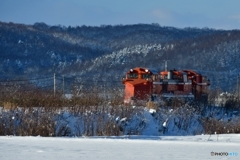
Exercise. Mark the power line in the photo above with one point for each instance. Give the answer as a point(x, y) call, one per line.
point(19, 80)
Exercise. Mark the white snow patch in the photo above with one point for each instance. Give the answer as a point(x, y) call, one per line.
point(152, 111)
point(123, 119)
point(165, 124)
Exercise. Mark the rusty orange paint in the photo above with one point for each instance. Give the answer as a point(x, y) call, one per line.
point(138, 85)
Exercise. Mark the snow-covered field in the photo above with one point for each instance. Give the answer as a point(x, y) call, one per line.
point(124, 147)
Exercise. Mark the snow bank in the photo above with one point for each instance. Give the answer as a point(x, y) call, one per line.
point(185, 120)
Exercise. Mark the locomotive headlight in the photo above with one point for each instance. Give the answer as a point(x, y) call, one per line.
point(146, 70)
point(131, 70)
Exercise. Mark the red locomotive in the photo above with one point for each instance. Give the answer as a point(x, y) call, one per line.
point(144, 84)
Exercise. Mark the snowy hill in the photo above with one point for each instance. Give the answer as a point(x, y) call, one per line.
point(82, 51)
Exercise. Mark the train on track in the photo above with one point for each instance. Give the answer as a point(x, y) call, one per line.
point(148, 84)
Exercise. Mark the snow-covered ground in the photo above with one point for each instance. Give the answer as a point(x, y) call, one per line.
point(123, 147)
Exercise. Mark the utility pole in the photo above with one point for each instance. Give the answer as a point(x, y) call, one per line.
point(237, 88)
point(63, 86)
point(54, 84)
point(166, 66)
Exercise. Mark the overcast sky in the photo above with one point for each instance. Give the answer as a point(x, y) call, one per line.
point(219, 14)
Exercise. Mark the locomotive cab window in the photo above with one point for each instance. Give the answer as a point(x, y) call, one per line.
point(146, 76)
point(132, 75)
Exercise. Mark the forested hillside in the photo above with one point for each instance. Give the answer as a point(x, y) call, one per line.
point(105, 53)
